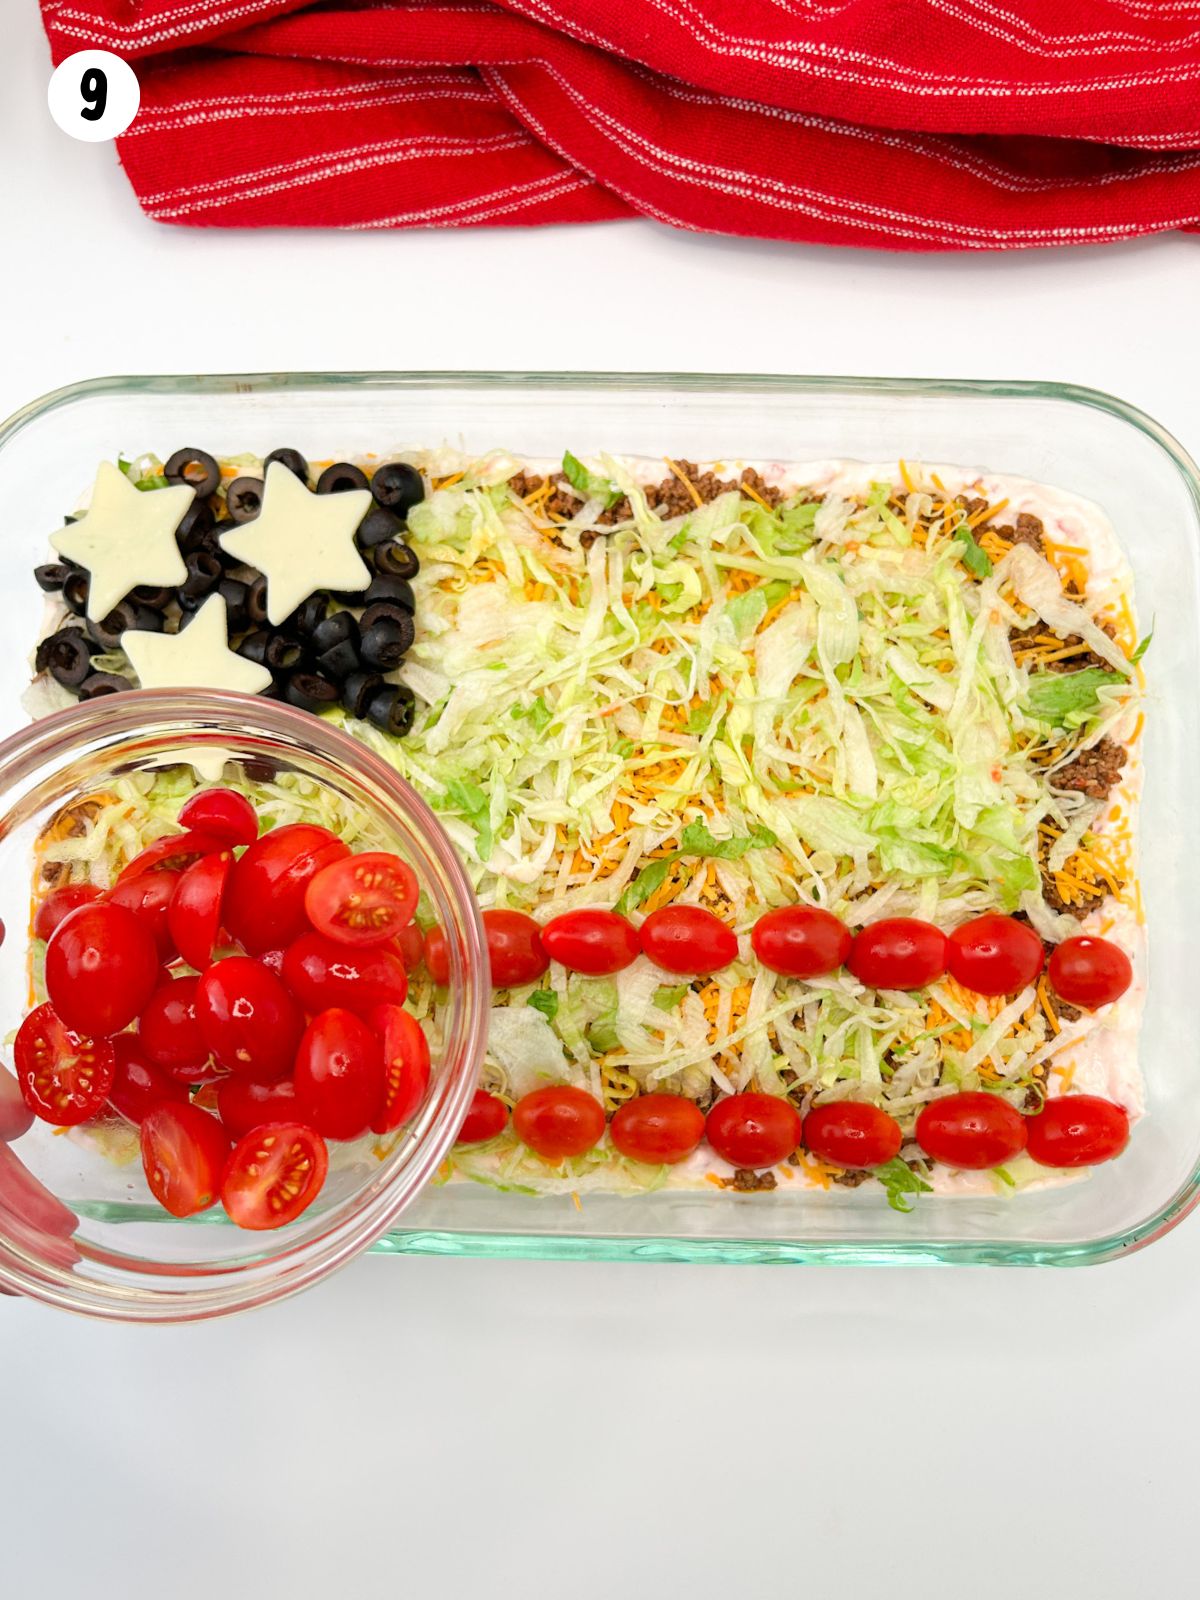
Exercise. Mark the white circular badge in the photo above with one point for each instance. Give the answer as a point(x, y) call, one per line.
point(94, 95)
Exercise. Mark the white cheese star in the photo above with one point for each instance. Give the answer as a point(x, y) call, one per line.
point(126, 538)
point(197, 657)
point(301, 542)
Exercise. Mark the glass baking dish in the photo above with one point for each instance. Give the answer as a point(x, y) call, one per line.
point(1079, 439)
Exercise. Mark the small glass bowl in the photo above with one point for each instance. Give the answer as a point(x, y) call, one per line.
point(127, 1259)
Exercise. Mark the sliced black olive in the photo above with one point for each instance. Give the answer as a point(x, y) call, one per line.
point(67, 655)
point(385, 644)
point(189, 604)
point(392, 708)
point(398, 486)
point(342, 475)
point(311, 692)
point(283, 653)
point(123, 616)
point(51, 577)
point(72, 673)
point(158, 599)
point(268, 649)
point(395, 560)
point(197, 469)
point(291, 459)
point(305, 618)
point(204, 573)
point(382, 611)
point(197, 531)
point(243, 499)
point(75, 591)
point(395, 591)
point(377, 527)
point(102, 683)
point(235, 594)
point(260, 769)
point(254, 646)
point(357, 691)
point(256, 601)
point(340, 628)
point(339, 661)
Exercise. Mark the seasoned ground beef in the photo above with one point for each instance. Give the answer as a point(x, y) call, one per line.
point(71, 823)
point(670, 498)
point(850, 1177)
point(1075, 663)
point(673, 498)
point(1028, 530)
point(1095, 772)
point(562, 502)
point(524, 483)
point(1051, 895)
point(746, 1181)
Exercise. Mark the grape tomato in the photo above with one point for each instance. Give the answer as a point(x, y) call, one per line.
point(243, 1104)
point(659, 1129)
point(274, 1174)
point(221, 813)
point(247, 1018)
point(592, 941)
point(688, 941)
point(149, 896)
point(753, 1130)
point(339, 1075)
point(139, 1085)
point(264, 900)
point(406, 1065)
point(1077, 1130)
point(1089, 972)
point(322, 973)
point(65, 1078)
point(58, 904)
point(184, 1151)
point(994, 955)
point(898, 953)
point(486, 1117)
point(101, 967)
point(169, 1031)
point(852, 1133)
point(365, 899)
point(514, 945)
point(973, 1130)
point(801, 941)
point(194, 914)
point(175, 850)
point(559, 1121)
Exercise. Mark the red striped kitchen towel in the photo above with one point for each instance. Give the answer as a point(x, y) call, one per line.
point(910, 124)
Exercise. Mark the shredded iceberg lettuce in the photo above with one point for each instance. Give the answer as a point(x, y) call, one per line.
point(742, 705)
point(738, 701)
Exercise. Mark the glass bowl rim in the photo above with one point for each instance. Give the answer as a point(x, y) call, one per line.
point(51, 739)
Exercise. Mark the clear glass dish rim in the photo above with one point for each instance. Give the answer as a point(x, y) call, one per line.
point(664, 1247)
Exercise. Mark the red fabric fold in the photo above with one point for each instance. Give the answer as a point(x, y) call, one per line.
point(908, 124)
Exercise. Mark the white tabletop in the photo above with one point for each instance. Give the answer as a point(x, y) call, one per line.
point(598, 1430)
